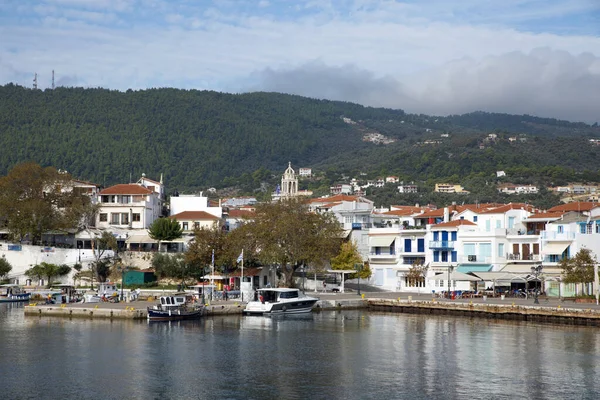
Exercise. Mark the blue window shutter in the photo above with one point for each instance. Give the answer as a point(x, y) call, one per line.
point(436, 256)
point(454, 258)
point(436, 236)
point(421, 245)
point(454, 236)
point(407, 245)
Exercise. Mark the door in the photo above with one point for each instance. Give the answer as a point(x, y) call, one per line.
point(526, 251)
point(515, 248)
point(536, 248)
point(379, 277)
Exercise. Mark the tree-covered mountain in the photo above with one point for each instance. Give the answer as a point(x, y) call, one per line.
point(199, 139)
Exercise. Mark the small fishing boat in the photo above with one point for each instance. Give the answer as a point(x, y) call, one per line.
point(12, 293)
point(178, 306)
point(280, 301)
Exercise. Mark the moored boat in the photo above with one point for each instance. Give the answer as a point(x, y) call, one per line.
point(12, 293)
point(178, 306)
point(280, 301)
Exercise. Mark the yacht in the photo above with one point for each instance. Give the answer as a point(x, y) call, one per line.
point(280, 301)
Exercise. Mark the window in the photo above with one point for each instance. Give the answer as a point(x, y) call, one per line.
point(421, 245)
point(114, 218)
point(196, 225)
point(561, 229)
point(136, 217)
point(485, 250)
point(444, 256)
point(103, 217)
point(436, 236)
point(511, 222)
point(184, 226)
point(348, 219)
point(453, 235)
point(407, 245)
point(469, 249)
point(125, 199)
point(500, 249)
point(453, 256)
point(475, 218)
point(498, 224)
point(436, 256)
point(125, 219)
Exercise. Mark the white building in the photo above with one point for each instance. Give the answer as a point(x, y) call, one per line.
point(128, 206)
point(305, 172)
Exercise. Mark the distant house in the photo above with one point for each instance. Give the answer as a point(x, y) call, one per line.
point(449, 188)
point(391, 179)
point(190, 220)
point(500, 174)
point(407, 189)
point(305, 172)
point(340, 188)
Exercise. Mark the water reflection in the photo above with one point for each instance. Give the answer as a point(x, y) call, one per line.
point(349, 355)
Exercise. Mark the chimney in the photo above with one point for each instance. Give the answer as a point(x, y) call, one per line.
point(446, 214)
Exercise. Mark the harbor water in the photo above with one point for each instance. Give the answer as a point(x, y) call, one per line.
point(327, 355)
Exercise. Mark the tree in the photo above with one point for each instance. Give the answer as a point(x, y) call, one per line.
point(206, 241)
point(77, 277)
point(48, 271)
point(579, 269)
point(174, 266)
point(286, 233)
point(348, 257)
point(165, 229)
point(5, 268)
point(34, 200)
point(101, 268)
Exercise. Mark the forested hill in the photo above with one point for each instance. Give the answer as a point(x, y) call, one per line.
point(202, 138)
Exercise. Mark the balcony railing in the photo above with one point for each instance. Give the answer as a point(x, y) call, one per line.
point(441, 244)
point(475, 259)
point(518, 257)
point(551, 235)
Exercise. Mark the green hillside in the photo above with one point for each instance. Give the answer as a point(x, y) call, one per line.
point(199, 139)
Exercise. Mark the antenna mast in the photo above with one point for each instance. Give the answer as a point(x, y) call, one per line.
point(35, 81)
point(52, 79)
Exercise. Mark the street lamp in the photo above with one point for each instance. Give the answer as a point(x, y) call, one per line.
point(450, 269)
point(536, 271)
point(358, 267)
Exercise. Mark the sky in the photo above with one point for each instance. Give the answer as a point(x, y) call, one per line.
point(538, 57)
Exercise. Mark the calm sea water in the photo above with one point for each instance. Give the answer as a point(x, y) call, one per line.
point(331, 355)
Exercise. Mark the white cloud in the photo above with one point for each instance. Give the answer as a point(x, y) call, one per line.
point(543, 82)
point(437, 56)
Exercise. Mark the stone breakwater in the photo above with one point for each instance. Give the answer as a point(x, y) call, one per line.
point(557, 314)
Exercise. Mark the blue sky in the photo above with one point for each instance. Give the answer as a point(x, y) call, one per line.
point(539, 57)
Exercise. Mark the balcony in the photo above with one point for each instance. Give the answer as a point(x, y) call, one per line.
point(518, 257)
point(382, 257)
point(550, 235)
point(441, 245)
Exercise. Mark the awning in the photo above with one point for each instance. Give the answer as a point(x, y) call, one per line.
point(457, 276)
point(213, 277)
point(524, 268)
point(465, 268)
point(499, 277)
point(555, 247)
point(140, 239)
point(381, 241)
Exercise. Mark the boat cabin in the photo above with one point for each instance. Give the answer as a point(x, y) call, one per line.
point(274, 295)
point(176, 300)
point(11, 289)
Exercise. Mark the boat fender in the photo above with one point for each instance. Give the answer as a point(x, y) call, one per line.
point(262, 299)
point(284, 308)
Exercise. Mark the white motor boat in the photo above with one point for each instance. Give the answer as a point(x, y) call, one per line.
point(280, 301)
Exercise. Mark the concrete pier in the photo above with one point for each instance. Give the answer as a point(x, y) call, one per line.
point(551, 311)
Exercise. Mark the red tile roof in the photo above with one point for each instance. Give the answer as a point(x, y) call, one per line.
point(455, 223)
point(125, 188)
point(338, 197)
point(240, 213)
point(193, 216)
point(546, 215)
